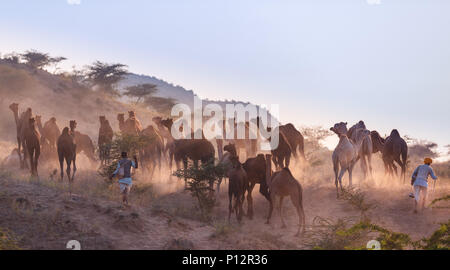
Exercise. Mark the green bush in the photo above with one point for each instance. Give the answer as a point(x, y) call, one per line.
point(200, 182)
point(123, 143)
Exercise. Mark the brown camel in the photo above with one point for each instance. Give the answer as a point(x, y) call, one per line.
point(282, 154)
point(121, 119)
point(67, 151)
point(226, 162)
point(395, 149)
point(153, 149)
point(247, 144)
point(165, 132)
point(256, 174)
point(345, 155)
point(47, 152)
point(22, 124)
point(237, 185)
point(282, 183)
point(105, 137)
point(295, 139)
point(33, 147)
point(83, 142)
point(359, 132)
point(51, 131)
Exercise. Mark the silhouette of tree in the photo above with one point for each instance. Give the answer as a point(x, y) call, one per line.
point(39, 60)
point(160, 104)
point(106, 76)
point(141, 92)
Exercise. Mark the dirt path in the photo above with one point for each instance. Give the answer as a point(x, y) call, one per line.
point(46, 217)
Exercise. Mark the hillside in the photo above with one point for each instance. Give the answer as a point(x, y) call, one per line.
point(56, 95)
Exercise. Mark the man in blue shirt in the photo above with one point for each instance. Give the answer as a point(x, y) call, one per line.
point(124, 171)
point(420, 182)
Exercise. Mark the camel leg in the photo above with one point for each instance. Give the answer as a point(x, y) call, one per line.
point(280, 207)
point(363, 166)
point(272, 199)
point(336, 172)
point(19, 143)
point(400, 163)
point(68, 165)
point(37, 153)
point(250, 201)
point(61, 166)
point(341, 174)
point(295, 198)
point(230, 205)
point(74, 167)
point(369, 161)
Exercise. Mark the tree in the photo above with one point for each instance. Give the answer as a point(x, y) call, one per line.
point(141, 91)
point(55, 61)
point(160, 104)
point(106, 76)
point(39, 60)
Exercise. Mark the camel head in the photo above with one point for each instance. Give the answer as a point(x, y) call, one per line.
point(131, 114)
point(102, 119)
point(340, 128)
point(73, 124)
point(157, 120)
point(121, 117)
point(14, 107)
point(231, 148)
point(29, 111)
point(53, 120)
point(167, 123)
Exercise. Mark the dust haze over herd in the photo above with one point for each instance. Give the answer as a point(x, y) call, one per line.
point(105, 133)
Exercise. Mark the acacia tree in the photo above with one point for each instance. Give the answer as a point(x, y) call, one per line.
point(39, 60)
point(160, 104)
point(106, 76)
point(141, 91)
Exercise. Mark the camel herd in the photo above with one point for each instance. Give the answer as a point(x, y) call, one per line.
point(35, 140)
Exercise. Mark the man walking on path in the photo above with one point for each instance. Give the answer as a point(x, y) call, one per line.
point(420, 182)
point(123, 170)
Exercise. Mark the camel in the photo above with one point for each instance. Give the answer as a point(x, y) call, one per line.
point(153, 150)
point(295, 139)
point(345, 155)
point(282, 183)
point(51, 132)
point(22, 125)
point(395, 149)
point(247, 144)
point(256, 174)
point(47, 151)
point(237, 184)
point(164, 132)
point(67, 151)
point(377, 142)
point(132, 126)
point(32, 143)
point(83, 142)
point(105, 137)
point(359, 132)
point(226, 161)
point(121, 119)
point(282, 154)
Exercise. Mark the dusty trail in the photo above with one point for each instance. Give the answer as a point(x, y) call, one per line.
point(45, 216)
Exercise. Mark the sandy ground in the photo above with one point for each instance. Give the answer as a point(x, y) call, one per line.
point(45, 216)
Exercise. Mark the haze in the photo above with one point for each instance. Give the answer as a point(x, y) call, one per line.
point(321, 61)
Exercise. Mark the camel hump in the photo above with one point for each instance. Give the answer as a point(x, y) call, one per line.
point(286, 169)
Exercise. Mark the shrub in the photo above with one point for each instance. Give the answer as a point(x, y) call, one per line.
point(123, 143)
point(200, 182)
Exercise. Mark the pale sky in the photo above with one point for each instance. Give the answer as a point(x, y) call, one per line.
point(321, 61)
